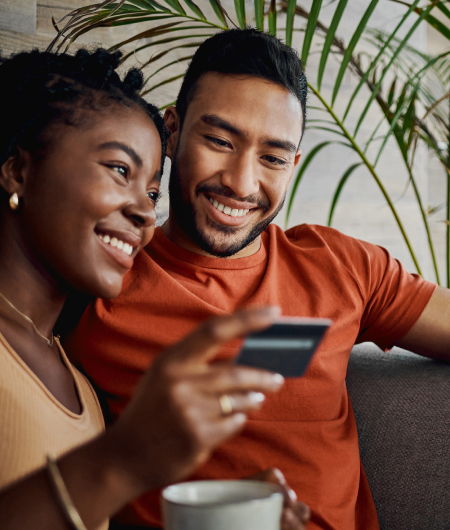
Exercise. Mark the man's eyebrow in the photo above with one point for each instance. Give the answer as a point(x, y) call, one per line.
point(126, 148)
point(281, 144)
point(215, 121)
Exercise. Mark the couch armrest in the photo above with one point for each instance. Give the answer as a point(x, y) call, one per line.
point(402, 408)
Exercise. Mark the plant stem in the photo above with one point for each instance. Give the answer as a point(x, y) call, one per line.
point(425, 222)
point(448, 200)
point(373, 172)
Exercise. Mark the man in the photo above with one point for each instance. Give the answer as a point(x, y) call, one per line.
point(234, 145)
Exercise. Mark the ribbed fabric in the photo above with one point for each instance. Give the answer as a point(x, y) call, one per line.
point(33, 423)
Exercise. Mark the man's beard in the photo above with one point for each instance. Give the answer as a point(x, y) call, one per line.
point(186, 216)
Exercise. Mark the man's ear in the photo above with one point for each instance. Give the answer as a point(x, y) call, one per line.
point(298, 155)
point(173, 126)
point(13, 172)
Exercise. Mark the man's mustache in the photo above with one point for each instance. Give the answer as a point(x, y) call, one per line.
point(223, 191)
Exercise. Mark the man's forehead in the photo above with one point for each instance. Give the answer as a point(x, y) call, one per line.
point(243, 101)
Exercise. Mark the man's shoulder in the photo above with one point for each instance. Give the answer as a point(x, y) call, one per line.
point(327, 247)
point(308, 235)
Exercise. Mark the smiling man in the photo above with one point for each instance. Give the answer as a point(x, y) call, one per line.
point(232, 168)
point(234, 145)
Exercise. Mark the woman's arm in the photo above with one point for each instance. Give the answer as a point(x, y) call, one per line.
point(171, 426)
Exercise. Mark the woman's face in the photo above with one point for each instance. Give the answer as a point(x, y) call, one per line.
point(88, 204)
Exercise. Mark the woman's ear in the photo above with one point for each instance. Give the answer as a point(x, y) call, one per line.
point(13, 172)
point(173, 126)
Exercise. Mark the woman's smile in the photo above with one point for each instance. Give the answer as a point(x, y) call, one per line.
point(120, 245)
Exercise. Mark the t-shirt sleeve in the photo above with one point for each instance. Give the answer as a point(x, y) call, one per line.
point(394, 298)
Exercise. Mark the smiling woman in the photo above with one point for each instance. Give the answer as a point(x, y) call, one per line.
point(81, 157)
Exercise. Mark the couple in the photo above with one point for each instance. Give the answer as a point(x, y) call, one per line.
point(234, 143)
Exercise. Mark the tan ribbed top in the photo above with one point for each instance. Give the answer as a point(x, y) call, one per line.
point(33, 423)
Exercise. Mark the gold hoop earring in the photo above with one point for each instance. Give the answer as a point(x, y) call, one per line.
point(14, 201)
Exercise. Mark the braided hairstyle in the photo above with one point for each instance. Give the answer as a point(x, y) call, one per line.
point(38, 89)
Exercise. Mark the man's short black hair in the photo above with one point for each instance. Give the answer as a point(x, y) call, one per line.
point(250, 52)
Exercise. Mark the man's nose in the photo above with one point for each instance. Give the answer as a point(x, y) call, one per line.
point(241, 175)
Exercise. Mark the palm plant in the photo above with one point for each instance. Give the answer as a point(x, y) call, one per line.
point(397, 76)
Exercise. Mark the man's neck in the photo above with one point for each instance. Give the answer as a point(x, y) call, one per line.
point(178, 236)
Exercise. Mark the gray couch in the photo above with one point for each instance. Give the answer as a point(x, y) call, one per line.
point(402, 408)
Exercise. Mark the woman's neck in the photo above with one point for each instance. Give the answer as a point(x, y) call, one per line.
point(27, 285)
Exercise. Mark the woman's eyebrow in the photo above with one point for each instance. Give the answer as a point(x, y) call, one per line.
point(126, 148)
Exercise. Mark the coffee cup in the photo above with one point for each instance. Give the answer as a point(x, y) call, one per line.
point(222, 505)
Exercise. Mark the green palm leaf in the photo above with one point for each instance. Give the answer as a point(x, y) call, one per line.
point(310, 29)
point(307, 161)
point(329, 40)
point(351, 47)
point(339, 189)
point(239, 6)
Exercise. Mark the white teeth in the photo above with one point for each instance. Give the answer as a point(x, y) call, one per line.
point(227, 210)
point(117, 243)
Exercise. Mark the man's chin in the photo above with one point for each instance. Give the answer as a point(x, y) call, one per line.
point(221, 246)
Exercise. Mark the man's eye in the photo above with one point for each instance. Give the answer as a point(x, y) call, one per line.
point(275, 161)
point(153, 196)
point(217, 141)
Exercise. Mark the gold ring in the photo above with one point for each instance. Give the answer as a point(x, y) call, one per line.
point(226, 404)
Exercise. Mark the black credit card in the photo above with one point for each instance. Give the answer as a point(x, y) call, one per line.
point(286, 347)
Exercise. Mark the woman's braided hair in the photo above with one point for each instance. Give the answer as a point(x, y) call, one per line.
point(41, 88)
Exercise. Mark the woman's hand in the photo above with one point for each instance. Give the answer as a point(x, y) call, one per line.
point(179, 414)
point(176, 418)
point(295, 514)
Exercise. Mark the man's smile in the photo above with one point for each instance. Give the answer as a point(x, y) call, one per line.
point(228, 214)
point(227, 209)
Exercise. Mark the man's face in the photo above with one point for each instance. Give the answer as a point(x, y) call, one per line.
point(231, 162)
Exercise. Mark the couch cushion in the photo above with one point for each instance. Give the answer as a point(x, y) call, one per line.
point(402, 408)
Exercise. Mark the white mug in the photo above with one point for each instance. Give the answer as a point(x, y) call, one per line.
point(222, 505)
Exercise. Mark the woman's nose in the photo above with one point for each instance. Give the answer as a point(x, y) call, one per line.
point(141, 210)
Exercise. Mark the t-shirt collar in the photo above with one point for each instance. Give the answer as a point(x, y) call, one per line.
point(164, 246)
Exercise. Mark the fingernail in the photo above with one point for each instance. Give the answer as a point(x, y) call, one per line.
point(292, 495)
point(274, 311)
point(240, 418)
point(271, 311)
point(256, 397)
point(278, 379)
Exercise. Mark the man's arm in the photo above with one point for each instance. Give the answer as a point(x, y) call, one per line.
point(430, 335)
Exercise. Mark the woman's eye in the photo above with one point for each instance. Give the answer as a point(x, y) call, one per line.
point(122, 170)
point(153, 196)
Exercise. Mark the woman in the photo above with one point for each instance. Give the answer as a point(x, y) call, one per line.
point(81, 160)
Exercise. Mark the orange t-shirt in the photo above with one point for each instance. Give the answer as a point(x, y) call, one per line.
point(307, 430)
